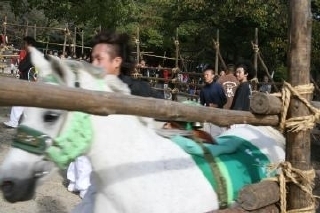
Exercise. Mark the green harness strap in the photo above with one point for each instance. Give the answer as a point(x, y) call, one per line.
point(219, 179)
point(207, 164)
point(74, 141)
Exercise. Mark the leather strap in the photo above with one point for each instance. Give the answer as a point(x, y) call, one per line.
point(220, 180)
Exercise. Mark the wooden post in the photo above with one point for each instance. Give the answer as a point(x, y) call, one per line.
point(5, 26)
point(216, 46)
point(82, 46)
point(223, 64)
point(27, 26)
point(35, 32)
point(74, 40)
point(65, 39)
point(176, 42)
point(47, 45)
point(216, 64)
point(298, 143)
point(255, 59)
point(138, 45)
point(5, 29)
point(267, 72)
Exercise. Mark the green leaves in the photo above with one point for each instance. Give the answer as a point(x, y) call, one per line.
point(197, 21)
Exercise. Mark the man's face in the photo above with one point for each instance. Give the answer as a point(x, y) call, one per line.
point(208, 76)
point(240, 74)
point(101, 57)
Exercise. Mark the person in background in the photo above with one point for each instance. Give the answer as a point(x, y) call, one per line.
point(24, 66)
point(222, 73)
point(212, 93)
point(241, 100)
point(14, 63)
point(229, 83)
point(265, 87)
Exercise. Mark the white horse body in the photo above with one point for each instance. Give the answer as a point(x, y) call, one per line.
point(144, 172)
point(134, 168)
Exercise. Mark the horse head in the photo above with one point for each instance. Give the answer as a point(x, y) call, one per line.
point(47, 135)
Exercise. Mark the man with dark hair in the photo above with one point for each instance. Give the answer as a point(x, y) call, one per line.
point(112, 52)
point(26, 64)
point(241, 100)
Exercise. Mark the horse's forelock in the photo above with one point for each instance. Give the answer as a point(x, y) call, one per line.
point(93, 70)
point(56, 67)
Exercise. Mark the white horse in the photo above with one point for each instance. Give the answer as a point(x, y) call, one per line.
point(134, 167)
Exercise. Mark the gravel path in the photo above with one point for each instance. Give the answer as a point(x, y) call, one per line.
point(51, 197)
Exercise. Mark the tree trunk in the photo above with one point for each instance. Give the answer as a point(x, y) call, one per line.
point(298, 143)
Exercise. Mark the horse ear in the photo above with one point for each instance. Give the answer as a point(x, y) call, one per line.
point(47, 65)
point(39, 62)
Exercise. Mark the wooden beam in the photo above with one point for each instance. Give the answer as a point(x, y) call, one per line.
point(268, 104)
point(298, 143)
point(268, 209)
point(14, 92)
point(259, 195)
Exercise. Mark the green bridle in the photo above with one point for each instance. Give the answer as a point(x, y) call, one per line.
point(73, 141)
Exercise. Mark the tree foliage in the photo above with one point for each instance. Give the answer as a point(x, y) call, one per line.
point(196, 22)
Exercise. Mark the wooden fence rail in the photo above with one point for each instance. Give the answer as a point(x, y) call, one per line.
point(14, 92)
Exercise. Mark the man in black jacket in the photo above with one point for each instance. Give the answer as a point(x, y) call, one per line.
point(25, 64)
point(241, 100)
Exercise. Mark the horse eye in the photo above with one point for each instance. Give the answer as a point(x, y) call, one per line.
point(50, 116)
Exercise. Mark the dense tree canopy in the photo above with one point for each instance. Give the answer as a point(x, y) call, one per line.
point(196, 22)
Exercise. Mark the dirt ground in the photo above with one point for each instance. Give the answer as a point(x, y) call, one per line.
point(51, 197)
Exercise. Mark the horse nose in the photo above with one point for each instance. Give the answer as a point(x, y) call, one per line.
point(7, 186)
point(15, 190)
